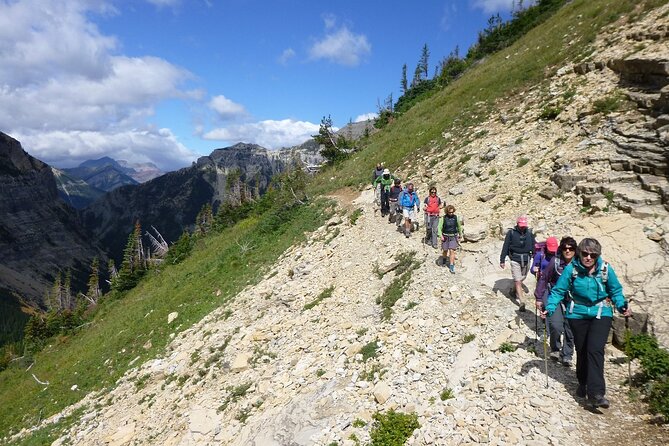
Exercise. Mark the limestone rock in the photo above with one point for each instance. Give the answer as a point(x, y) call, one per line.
point(382, 392)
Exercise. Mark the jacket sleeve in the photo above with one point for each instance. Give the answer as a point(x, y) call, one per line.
point(536, 261)
point(505, 247)
point(560, 290)
point(615, 289)
point(543, 280)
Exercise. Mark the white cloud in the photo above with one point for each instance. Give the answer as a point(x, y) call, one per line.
point(286, 55)
point(70, 148)
point(341, 46)
point(366, 117)
point(270, 134)
point(165, 3)
point(65, 89)
point(491, 6)
point(226, 108)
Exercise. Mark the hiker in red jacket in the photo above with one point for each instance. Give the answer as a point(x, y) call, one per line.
point(432, 204)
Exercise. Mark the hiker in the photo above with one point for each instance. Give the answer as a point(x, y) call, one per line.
point(519, 247)
point(543, 253)
point(409, 201)
point(594, 288)
point(393, 195)
point(561, 351)
point(376, 173)
point(385, 181)
point(450, 231)
point(432, 205)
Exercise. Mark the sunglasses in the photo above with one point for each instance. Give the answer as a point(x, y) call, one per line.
point(592, 255)
point(433, 191)
point(569, 248)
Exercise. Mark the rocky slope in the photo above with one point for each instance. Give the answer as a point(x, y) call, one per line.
point(39, 234)
point(273, 370)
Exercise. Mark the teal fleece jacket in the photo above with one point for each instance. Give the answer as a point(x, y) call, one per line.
point(587, 292)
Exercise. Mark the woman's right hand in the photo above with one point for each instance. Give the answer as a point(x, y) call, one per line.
point(543, 314)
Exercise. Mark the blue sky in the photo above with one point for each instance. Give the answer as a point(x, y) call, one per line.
point(167, 81)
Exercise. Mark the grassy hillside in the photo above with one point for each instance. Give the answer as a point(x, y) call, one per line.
point(119, 334)
point(118, 337)
point(562, 39)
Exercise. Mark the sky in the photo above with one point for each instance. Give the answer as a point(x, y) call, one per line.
point(168, 81)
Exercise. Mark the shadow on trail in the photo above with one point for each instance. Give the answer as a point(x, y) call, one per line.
point(506, 288)
point(564, 375)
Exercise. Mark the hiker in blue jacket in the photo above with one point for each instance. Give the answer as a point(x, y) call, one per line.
point(547, 277)
point(410, 204)
point(594, 288)
point(519, 247)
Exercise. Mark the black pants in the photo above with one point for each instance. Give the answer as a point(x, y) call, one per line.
point(385, 204)
point(589, 339)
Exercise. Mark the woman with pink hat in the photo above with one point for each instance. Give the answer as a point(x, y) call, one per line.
point(519, 247)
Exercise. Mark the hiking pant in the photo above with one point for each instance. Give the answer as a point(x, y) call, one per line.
point(557, 326)
point(432, 225)
point(590, 337)
point(385, 205)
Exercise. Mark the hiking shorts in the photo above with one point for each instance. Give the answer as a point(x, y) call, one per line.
point(409, 213)
point(519, 272)
point(450, 242)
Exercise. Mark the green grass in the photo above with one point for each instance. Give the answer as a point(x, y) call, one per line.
point(121, 327)
point(470, 99)
point(326, 293)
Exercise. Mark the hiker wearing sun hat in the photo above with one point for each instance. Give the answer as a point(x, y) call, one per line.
point(519, 247)
point(561, 349)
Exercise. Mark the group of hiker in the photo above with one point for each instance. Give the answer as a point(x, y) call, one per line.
point(576, 292)
point(443, 228)
point(575, 295)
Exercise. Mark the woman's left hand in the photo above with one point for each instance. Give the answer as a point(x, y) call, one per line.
point(627, 312)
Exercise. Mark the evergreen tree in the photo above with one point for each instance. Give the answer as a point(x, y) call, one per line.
point(423, 63)
point(133, 265)
point(403, 83)
point(333, 148)
point(68, 300)
point(93, 290)
point(56, 295)
point(204, 220)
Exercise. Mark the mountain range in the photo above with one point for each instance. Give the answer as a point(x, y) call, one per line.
point(55, 219)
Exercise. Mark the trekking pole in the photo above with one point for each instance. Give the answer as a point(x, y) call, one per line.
point(536, 325)
point(546, 350)
point(629, 358)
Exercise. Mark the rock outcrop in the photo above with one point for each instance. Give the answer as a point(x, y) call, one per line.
point(40, 235)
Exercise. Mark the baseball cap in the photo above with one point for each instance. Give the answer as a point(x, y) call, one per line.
point(552, 244)
point(522, 221)
point(386, 171)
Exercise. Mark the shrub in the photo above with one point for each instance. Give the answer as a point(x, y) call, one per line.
point(369, 350)
point(392, 428)
point(507, 347)
point(550, 113)
point(658, 399)
point(355, 215)
point(446, 394)
point(608, 105)
point(523, 161)
point(468, 338)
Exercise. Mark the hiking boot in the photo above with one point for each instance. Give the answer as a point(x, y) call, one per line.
point(407, 234)
point(555, 356)
point(600, 401)
point(451, 267)
point(521, 305)
point(566, 362)
point(581, 391)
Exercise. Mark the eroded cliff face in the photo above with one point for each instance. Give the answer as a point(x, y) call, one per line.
point(39, 234)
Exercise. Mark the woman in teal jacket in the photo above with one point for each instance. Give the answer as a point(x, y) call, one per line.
point(594, 289)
